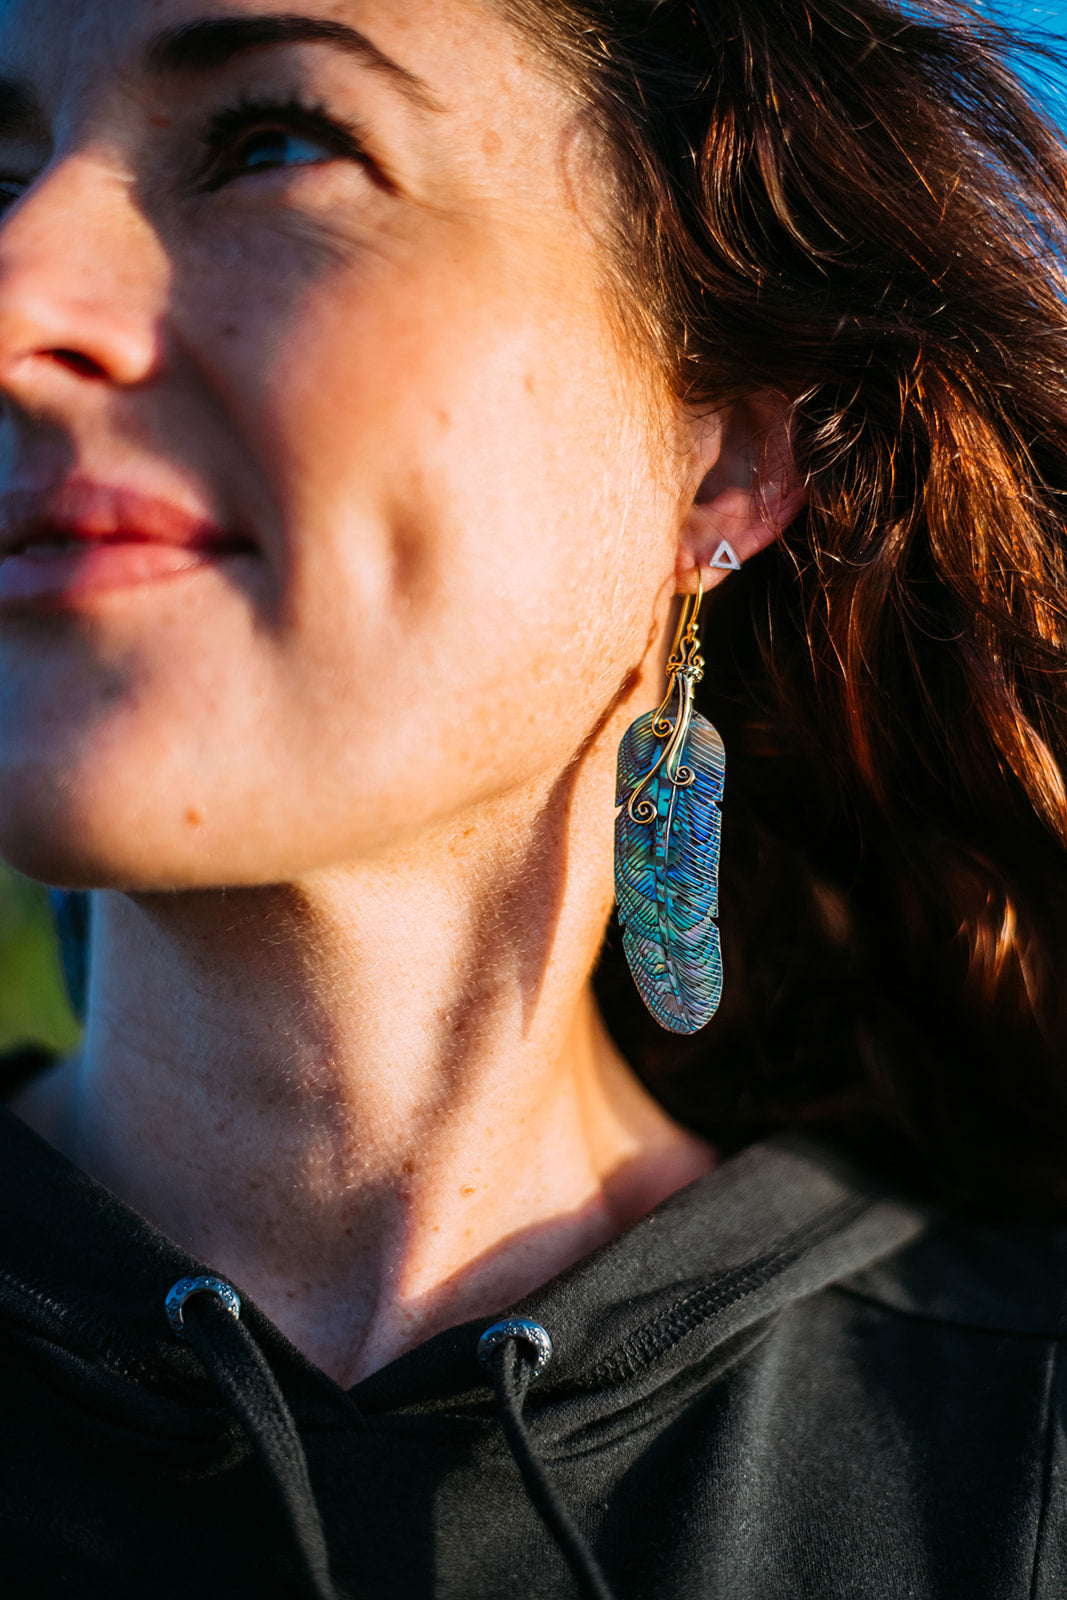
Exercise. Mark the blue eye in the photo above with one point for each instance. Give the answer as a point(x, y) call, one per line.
point(265, 134)
point(274, 147)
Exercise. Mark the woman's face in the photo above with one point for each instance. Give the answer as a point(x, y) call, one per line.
point(329, 507)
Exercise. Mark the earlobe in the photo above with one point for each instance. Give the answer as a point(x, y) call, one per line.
point(748, 489)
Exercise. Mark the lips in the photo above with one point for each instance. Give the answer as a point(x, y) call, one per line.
point(62, 545)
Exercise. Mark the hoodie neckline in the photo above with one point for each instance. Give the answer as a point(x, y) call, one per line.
point(779, 1220)
point(774, 1222)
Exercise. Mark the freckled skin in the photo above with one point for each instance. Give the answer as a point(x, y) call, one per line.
point(347, 799)
point(369, 379)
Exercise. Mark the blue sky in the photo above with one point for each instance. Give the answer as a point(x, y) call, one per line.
point(1045, 17)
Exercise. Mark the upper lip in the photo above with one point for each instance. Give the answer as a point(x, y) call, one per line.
point(89, 511)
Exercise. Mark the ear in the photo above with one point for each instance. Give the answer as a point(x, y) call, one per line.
point(748, 488)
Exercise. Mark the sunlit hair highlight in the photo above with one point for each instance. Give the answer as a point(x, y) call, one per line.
point(857, 205)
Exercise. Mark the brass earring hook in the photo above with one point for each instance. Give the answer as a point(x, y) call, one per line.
point(688, 619)
point(671, 721)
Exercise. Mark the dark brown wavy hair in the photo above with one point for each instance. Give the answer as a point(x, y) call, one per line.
point(857, 205)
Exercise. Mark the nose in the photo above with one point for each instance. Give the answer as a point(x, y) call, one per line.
point(82, 283)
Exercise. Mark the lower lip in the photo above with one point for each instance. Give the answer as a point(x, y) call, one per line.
point(63, 580)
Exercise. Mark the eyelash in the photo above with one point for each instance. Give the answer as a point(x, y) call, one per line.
point(261, 114)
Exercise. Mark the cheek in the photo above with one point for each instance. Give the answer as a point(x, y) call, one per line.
point(409, 422)
point(468, 557)
point(503, 567)
point(484, 439)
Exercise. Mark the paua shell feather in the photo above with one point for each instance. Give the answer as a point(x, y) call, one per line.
point(667, 873)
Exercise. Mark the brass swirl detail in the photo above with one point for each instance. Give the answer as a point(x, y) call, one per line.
point(685, 668)
point(643, 811)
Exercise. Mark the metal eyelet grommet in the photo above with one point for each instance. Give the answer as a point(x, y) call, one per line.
point(531, 1333)
point(184, 1290)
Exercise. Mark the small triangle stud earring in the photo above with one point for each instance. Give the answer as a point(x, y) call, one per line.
point(725, 558)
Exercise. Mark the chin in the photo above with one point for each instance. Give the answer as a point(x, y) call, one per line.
point(73, 834)
point(67, 857)
point(95, 804)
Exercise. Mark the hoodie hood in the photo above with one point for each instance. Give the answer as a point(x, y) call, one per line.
point(719, 1340)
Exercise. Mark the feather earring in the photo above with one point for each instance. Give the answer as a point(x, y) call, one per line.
point(671, 769)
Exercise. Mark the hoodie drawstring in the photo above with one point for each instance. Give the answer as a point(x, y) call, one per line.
point(234, 1362)
point(206, 1311)
point(515, 1353)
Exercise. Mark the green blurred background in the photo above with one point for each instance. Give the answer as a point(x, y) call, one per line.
point(33, 1001)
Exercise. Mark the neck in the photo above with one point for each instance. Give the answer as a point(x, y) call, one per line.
point(381, 1100)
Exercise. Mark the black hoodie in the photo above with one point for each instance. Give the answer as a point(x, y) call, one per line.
point(783, 1384)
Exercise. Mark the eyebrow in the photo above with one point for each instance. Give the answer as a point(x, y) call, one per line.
point(213, 42)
